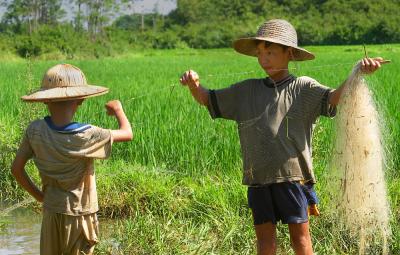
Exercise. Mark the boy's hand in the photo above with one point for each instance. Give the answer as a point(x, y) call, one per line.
point(113, 107)
point(191, 79)
point(370, 65)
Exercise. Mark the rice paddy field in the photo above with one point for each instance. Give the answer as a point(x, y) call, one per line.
point(176, 188)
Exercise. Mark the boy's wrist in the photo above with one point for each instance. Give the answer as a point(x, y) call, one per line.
point(194, 87)
point(118, 110)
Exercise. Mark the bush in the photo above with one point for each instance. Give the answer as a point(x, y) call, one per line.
point(27, 46)
point(164, 40)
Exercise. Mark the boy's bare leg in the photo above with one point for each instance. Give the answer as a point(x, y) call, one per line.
point(266, 238)
point(300, 238)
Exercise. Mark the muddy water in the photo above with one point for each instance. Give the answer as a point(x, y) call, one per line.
point(20, 232)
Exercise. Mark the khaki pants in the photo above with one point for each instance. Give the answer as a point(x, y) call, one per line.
point(68, 235)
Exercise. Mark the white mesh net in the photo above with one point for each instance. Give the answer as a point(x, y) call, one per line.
point(360, 164)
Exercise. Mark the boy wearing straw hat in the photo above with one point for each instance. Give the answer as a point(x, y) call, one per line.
point(275, 118)
point(64, 151)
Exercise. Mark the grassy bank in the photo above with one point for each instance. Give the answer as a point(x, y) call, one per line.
point(176, 189)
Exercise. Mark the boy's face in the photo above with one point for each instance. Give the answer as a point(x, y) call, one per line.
point(272, 58)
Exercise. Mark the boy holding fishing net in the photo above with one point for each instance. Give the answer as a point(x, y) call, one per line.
point(64, 151)
point(275, 118)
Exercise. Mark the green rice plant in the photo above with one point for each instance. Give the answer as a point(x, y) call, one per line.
point(176, 189)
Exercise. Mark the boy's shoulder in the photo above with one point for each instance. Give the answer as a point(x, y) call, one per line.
point(307, 83)
point(248, 82)
point(306, 80)
point(37, 124)
point(253, 80)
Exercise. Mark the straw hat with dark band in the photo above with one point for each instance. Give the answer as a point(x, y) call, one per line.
point(275, 31)
point(64, 82)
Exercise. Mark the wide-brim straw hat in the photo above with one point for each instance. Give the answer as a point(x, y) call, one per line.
point(275, 31)
point(64, 82)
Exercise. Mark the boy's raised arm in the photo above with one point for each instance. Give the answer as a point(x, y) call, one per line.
point(124, 133)
point(191, 79)
point(367, 66)
point(18, 170)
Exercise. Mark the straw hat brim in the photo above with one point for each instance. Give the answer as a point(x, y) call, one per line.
point(248, 46)
point(65, 93)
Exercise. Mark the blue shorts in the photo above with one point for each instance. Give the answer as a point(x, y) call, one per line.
point(284, 202)
point(310, 193)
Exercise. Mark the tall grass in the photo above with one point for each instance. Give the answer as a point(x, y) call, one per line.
point(176, 189)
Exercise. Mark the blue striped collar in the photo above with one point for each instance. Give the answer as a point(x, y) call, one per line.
point(71, 128)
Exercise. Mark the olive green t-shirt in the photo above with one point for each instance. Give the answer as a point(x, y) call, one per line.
point(275, 123)
point(64, 157)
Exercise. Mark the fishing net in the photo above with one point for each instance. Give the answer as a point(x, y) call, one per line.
point(359, 163)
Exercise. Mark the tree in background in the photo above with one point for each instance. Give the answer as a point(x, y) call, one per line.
point(97, 15)
point(94, 15)
point(31, 13)
point(50, 11)
point(78, 18)
point(106, 25)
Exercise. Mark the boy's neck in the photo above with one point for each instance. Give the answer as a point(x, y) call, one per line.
point(61, 114)
point(279, 75)
point(61, 120)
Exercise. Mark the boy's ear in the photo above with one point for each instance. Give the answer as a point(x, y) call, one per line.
point(80, 101)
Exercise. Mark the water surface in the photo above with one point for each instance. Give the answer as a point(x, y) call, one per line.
point(20, 233)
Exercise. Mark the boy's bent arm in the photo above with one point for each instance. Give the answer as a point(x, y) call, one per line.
point(200, 93)
point(18, 171)
point(191, 79)
point(124, 133)
point(367, 66)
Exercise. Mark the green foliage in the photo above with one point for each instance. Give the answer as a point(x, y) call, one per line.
point(45, 40)
point(196, 24)
point(29, 14)
point(61, 41)
point(317, 22)
point(5, 44)
point(8, 146)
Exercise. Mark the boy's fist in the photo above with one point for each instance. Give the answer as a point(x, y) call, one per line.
point(113, 107)
point(191, 79)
